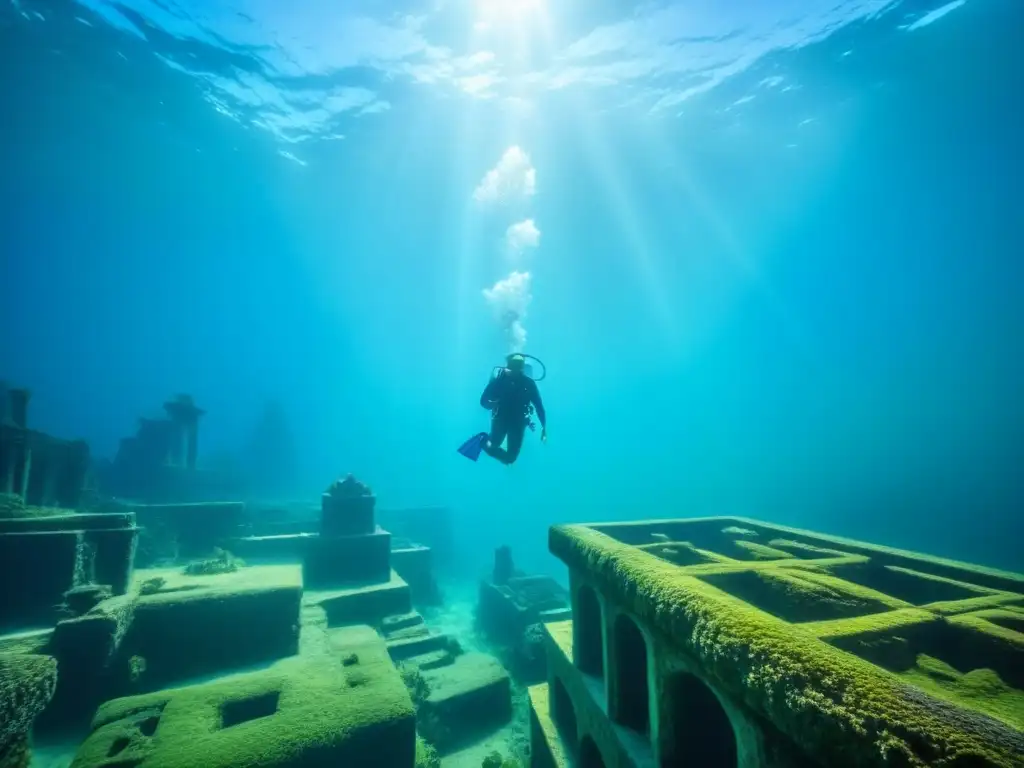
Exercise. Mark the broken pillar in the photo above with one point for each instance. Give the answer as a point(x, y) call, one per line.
point(72, 476)
point(185, 416)
point(350, 548)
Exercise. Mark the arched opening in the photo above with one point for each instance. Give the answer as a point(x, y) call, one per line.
point(701, 733)
point(590, 755)
point(588, 636)
point(563, 714)
point(633, 699)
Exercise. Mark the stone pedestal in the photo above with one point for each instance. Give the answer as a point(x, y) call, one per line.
point(347, 516)
point(350, 548)
point(338, 560)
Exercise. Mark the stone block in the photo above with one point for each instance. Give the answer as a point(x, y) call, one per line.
point(300, 712)
point(468, 699)
point(432, 659)
point(36, 569)
point(289, 547)
point(401, 621)
point(338, 560)
point(198, 625)
point(415, 564)
point(403, 648)
point(362, 604)
point(27, 682)
point(86, 650)
point(347, 516)
point(67, 521)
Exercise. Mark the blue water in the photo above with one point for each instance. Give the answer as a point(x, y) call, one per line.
point(774, 249)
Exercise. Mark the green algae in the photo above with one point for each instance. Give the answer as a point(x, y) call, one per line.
point(426, 755)
point(889, 621)
point(681, 553)
point(1005, 600)
point(980, 689)
point(836, 706)
point(802, 548)
point(299, 710)
point(27, 683)
point(801, 595)
point(761, 551)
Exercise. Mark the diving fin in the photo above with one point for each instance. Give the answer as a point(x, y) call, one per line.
point(472, 447)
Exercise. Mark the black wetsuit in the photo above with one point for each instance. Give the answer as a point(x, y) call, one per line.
point(510, 398)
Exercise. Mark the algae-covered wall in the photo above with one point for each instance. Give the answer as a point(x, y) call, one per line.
point(771, 639)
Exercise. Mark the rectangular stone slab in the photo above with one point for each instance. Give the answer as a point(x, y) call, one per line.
point(68, 522)
point(339, 560)
point(467, 699)
point(281, 547)
point(198, 625)
point(362, 604)
point(314, 711)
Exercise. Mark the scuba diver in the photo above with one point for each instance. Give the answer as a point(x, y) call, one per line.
point(512, 398)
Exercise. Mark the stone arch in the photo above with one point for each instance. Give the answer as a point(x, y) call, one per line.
point(699, 729)
point(588, 632)
point(563, 714)
point(633, 700)
point(590, 755)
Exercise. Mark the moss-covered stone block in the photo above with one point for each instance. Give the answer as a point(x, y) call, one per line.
point(362, 603)
point(846, 653)
point(467, 699)
point(332, 561)
point(27, 683)
point(198, 625)
point(300, 712)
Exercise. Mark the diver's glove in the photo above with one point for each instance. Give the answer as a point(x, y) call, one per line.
point(544, 434)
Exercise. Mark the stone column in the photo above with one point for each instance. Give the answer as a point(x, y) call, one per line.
point(185, 415)
point(74, 469)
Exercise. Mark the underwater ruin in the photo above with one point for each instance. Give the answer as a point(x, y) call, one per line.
point(731, 642)
point(210, 634)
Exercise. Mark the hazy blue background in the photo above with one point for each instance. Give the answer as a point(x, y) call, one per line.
point(804, 306)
